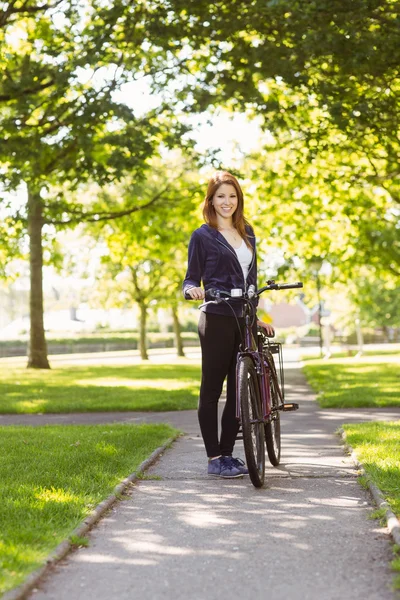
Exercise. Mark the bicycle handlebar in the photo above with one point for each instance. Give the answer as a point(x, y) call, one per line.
point(218, 295)
point(271, 285)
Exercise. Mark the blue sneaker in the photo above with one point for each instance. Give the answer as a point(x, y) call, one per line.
point(240, 464)
point(223, 467)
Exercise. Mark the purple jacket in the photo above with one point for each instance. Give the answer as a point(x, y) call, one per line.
point(213, 261)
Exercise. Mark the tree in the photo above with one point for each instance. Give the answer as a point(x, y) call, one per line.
point(146, 253)
point(61, 123)
point(325, 79)
point(346, 55)
point(377, 302)
point(310, 207)
point(287, 61)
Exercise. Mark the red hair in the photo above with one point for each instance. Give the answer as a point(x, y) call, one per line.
point(238, 220)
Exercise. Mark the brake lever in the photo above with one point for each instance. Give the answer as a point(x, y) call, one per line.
point(209, 302)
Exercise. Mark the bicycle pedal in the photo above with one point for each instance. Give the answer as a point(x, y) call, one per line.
point(290, 406)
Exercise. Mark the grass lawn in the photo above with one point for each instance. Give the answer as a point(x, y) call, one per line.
point(99, 388)
point(377, 448)
point(52, 477)
point(370, 381)
point(366, 352)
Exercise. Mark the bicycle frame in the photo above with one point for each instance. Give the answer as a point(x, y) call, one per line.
point(265, 370)
point(262, 359)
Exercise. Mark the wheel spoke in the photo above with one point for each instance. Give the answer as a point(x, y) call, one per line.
point(273, 429)
point(252, 424)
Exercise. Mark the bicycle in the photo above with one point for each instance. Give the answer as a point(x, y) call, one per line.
point(259, 386)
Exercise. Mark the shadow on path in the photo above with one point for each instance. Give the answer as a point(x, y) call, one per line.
point(306, 535)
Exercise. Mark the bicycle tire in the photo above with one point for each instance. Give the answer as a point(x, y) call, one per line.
point(272, 429)
point(251, 411)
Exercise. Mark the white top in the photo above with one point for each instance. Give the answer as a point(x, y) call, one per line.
point(245, 256)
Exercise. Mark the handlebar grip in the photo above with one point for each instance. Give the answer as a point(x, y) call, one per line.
point(210, 294)
point(290, 286)
point(271, 285)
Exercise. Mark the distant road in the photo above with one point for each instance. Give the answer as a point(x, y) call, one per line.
point(162, 355)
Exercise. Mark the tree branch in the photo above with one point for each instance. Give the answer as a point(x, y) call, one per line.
point(68, 112)
point(139, 297)
point(64, 152)
point(95, 217)
point(25, 9)
point(26, 91)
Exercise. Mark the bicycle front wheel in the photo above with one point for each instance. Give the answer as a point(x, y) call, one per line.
point(252, 420)
point(273, 428)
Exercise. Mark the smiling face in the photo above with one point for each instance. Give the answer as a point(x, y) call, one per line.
point(225, 203)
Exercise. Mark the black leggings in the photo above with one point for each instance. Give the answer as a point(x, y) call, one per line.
point(219, 340)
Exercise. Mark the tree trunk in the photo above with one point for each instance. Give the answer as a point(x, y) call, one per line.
point(37, 345)
point(143, 337)
point(177, 332)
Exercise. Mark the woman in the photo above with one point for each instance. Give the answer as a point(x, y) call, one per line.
point(222, 255)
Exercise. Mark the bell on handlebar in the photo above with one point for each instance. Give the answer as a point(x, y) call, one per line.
point(251, 292)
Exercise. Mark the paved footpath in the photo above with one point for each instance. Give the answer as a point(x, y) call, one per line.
point(306, 535)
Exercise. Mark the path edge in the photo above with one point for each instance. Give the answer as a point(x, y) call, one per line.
point(392, 521)
point(65, 547)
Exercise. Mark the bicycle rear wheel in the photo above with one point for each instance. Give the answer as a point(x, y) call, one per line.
point(273, 428)
point(252, 420)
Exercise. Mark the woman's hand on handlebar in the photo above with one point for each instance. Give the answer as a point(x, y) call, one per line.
point(196, 293)
point(269, 330)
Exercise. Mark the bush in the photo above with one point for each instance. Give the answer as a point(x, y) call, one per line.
point(99, 342)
